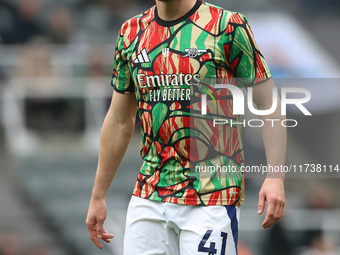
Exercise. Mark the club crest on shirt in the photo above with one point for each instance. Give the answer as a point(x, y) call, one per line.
point(193, 52)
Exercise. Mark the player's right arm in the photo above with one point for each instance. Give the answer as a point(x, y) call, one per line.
point(116, 132)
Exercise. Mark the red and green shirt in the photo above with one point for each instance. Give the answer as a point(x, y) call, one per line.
point(163, 62)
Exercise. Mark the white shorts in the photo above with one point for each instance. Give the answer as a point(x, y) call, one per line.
point(157, 228)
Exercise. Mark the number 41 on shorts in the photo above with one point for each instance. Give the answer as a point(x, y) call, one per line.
point(211, 250)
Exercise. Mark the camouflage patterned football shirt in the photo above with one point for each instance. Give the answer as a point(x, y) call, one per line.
point(162, 62)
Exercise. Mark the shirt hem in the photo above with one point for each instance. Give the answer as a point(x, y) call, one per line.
point(216, 202)
point(126, 92)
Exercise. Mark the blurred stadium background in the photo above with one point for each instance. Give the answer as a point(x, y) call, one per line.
point(55, 65)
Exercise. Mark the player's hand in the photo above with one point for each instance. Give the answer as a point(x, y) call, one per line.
point(95, 222)
point(273, 192)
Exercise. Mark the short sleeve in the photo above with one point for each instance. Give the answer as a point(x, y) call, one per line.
point(121, 77)
point(242, 53)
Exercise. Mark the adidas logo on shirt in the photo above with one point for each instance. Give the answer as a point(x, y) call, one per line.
point(142, 58)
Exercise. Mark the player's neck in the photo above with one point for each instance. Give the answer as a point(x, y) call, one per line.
point(173, 9)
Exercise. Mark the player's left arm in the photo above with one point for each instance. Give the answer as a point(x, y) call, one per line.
point(275, 143)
